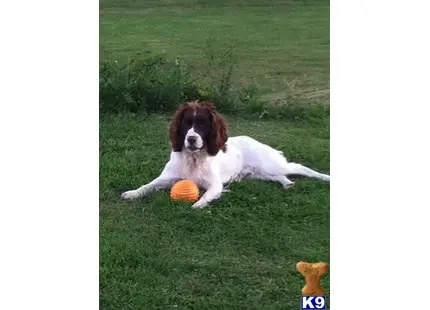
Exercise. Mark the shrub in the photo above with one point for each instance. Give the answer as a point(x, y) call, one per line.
point(151, 83)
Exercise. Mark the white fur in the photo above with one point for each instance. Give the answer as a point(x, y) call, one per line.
point(244, 158)
point(192, 133)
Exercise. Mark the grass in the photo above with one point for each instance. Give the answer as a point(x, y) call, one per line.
point(238, 254)
point(241, 252)
point(281, 48)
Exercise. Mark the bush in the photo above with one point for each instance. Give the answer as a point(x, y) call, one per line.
point(151, 83)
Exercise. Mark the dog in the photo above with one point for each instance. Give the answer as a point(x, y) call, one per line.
point(203, 152)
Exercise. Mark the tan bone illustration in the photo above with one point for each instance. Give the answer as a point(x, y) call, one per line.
point(312, 273)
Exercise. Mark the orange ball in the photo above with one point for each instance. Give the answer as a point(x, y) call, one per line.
point(185, 190)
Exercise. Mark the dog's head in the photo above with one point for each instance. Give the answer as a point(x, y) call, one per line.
point(198, 126)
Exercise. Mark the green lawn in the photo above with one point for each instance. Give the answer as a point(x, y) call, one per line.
point(241, 252)
point(278, 48)
point(238, 254)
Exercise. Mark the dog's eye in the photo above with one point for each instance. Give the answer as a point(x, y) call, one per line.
point(189, 122)
point(200, 123)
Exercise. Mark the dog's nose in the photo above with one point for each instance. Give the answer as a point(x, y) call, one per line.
point(191, 140)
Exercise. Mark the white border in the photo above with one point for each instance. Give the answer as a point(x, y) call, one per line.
point(379, 154)
point(49, 155)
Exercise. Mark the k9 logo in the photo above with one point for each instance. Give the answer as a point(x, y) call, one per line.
point(313, 302)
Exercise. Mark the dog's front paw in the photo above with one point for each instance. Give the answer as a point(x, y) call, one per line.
point(199, 204)
point(130, 195)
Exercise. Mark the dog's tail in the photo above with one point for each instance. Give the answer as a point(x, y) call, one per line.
point(297, 169)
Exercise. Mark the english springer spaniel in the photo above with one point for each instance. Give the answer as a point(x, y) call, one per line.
point(203, 152)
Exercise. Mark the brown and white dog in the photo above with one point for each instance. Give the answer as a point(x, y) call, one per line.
point(203, 152)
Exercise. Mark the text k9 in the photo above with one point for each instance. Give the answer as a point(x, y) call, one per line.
point(313, 302)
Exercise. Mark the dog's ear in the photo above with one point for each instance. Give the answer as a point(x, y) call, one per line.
point(219, 135)
point(175, 127)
